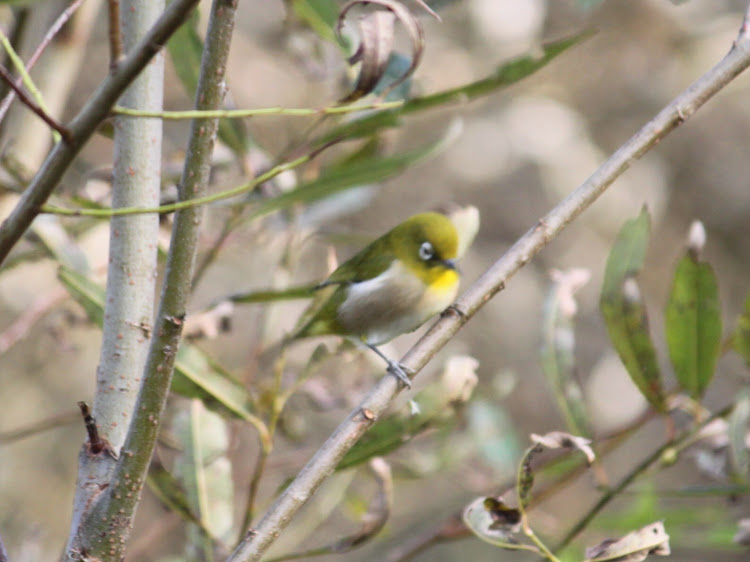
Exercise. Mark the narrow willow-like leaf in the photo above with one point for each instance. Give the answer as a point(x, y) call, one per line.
point(505, 75)
point(350, 174)
point(290, 293)
point(625, 313)
point(741, 339)
point(185, 48)
point(558, 356)
point(321, 16)
point(438, 405)
point(171, 493)
point(195, 375)
point(693, 325)
point(202, 467)
point(85, 292)
point(628, 253)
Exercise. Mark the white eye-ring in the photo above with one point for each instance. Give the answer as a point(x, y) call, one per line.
point(426, 252)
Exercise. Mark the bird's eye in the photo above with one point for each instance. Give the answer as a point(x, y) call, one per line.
point(426, 252)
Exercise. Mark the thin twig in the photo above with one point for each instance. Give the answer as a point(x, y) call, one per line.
point(83, 126)
point(33, 106)
point(44, 43)
point(187, 203)
point(258, 540)
point(53, 422)
point(29, 317)
point(258, 112)
point(252, 494)
point(115, 40)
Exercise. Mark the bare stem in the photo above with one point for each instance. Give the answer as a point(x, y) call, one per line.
point(324, 462)
point(132, 265)
point(115, 40)
point(106, 528)
point(53, 422)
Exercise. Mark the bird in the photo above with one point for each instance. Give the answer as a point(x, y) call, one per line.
point(389, 288)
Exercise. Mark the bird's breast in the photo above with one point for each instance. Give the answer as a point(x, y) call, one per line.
point(393, 303)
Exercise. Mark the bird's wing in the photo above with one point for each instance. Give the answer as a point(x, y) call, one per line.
point(367, 264)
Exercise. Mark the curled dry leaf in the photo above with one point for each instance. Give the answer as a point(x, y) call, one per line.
point(562, 440)
point(493, 521)
point(376, 35)
point(633, 547)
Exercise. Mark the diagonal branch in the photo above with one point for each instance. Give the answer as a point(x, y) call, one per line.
point(259, 539)
point(46, 40)
point(83, 126)
point(33, 106)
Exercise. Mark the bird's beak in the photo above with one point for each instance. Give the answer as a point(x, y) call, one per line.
point(450, 264)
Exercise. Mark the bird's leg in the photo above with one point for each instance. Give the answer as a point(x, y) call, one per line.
point(394, 367)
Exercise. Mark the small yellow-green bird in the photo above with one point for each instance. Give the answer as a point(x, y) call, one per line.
point(390, 287)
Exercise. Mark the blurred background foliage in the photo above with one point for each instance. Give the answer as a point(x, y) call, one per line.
point(512, 154)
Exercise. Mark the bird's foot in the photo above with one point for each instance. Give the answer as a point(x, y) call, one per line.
point(400, 372)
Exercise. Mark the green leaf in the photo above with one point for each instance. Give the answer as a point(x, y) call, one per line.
point(625, 313)
point(504, 76)
point(185, 48)
point(204, 437)
point(321, 16)
point(350, 174)
point(290, 293)
point(171, 493)
point(693, 325)
point(628, 252)
point(741, 339)
point(438, 405)
point(195, 375)
point(85, 292)
point(386, 436)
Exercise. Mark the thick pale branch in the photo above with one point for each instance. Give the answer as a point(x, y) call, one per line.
point(258, 540)
point(132, 265)
point(107, 526)
point(86, 122)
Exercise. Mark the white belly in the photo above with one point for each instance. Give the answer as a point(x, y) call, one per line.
point(391, 304)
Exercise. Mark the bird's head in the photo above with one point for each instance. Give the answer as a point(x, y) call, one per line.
point(427, 245)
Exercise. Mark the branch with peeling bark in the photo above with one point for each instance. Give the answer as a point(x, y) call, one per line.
point(259, 539)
